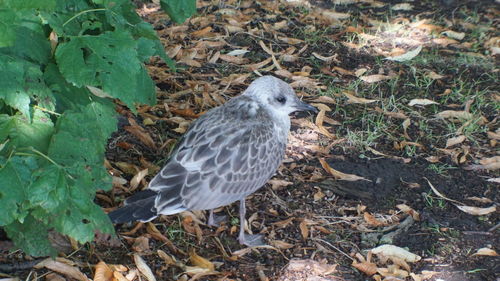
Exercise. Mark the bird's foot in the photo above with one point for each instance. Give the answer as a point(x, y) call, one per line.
point(214, 220)
point(251, 240)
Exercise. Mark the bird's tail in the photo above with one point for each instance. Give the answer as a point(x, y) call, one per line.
point(138, 207)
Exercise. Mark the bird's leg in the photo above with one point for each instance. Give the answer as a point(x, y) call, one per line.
point(214, 220)
point(247, 239)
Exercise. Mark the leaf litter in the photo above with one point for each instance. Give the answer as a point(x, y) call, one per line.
point(328, 56)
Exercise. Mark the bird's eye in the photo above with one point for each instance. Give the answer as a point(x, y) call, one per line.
point(281, 99)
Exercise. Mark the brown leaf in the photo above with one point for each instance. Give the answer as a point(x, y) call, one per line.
point(354, 99)
point(434, 75)
point(455, 141)
point(326, 59)
point(486, 252)
point(476, 211)
point(395, 251)
point(375, 78)
point(103, 272)
point(414, 102)
point(144, 268)
point(284, 223)
point(281, 244)
point(134, 182)
point(199, 261)
point(455, 114)
point(140, 133)
point(279, 184)
point(63, 268)
point(202, 32)
point(492, 163)
point(408, 210)
point(304, 230)
point(141, 245)
point(371, 220)
point(233, 59)
point(339, 175)
point(291, 41)
point(367, 268)
point(444, 41)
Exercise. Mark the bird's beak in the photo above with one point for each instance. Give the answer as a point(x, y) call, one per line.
point(302, 106)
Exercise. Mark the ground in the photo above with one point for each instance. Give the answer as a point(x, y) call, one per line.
point(409, 101)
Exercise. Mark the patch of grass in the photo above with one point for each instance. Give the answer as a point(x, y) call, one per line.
point(433, 202)
point(175, 232)
point(440, 168)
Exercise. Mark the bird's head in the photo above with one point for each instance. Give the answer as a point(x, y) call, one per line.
point(276, 95)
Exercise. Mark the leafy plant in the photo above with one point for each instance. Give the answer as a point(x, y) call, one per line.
point(61, 64)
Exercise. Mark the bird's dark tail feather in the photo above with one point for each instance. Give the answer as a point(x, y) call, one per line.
point(139, 207)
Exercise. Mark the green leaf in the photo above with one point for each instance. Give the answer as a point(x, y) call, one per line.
point(29, 4)
point(8, 19)
point(29, 45)
point(20, 81)
point(49, 188)
point(179, 10)
point(24, 133)
point(31, 236)
point(15, 175)
point(80, 140)
point(79, 217)
point(109, 61)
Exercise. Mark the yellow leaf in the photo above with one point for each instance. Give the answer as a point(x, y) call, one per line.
point(199, 261)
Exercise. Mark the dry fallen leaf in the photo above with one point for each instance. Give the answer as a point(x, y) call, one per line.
point(455, 140)
point(414, 102)
point(402, 7)
point(455, 114)
point(476, 211)
point(354, 99)
point(144, 268)
point(140, 133)
point(63, 268)
point(367, 268)
point(434, 75)
point(339, 175)
point(372, 221)
point(491, 163)
point(134, 182)
point(277, 184)
point(304, 230)
point(395, 251)
point(454, 34)
point(103, 272)
point(199, 261)
point(375, 78)
point(406, 56)
point(281, 244)
point(486, 252)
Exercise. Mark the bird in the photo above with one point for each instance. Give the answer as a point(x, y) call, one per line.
point(226, 154)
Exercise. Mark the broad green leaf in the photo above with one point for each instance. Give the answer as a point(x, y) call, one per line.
point(20, 81)
point(8, 19)
point(29, 4)
point(109, 61)
point(23, 133)
point(179, 10)
point(79, 142)
point(29, 45)
point(15, 176)
point(49, 188)
point(31, 236)
point(66, 95)
point(79, 217)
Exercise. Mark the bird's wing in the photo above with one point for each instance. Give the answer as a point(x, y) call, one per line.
point(218, 161)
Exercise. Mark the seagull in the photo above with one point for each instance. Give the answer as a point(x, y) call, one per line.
point(227, 154)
